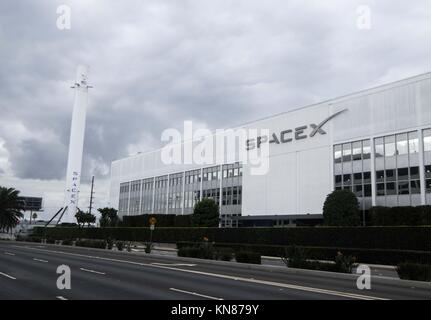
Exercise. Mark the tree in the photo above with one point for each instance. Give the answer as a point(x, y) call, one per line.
point(205, 213)
point(109, 217)
point(341, 208)
point(10, 208)
point(84, 218)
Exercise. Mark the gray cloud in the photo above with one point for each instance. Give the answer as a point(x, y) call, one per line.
point(157, 63)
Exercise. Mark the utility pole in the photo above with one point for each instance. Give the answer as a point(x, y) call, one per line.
point(91, 195)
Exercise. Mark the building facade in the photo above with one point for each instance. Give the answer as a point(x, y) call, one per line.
point(376, 143)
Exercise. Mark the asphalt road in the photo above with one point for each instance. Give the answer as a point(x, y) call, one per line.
point(28, 271)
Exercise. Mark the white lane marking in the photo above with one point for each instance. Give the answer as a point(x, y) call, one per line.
point(174, 264)
point(195, 294)
point(9, 254)
point(7, 276)
point(92, 271)
point(61, 298)
point(271, 283)
point(40, 260)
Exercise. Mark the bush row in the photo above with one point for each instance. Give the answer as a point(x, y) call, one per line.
point(362, 255)
point(395, 238)
point(414, 271)
point(204, 250)
point(163, 220)
point(401, 216)
point(298, 257)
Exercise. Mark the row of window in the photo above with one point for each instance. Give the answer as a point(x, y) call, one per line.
point(388, 146)
point(397, 145)
point(400, 187)
point(411, 173)
point(347, 152)
point(157, 189)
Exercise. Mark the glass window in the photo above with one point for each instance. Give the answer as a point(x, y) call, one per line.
point(347, 179)
point(338, 179)
point(367, 190)
point(428, 171)
point(347, 188)
point(402, 147)
point(390, 188)
point(414, 173)
point(358, 190)
point(380, 189)
point(427, 140)
point(390, 175)
point(367, 177)
point(403, 174)
point(403, 187)
point(380, 176)
point(379, 150)
point(347, 152)
point(428, 185)
point(413, 142)
point(357, 178)
point(415, 187)
point(366, 149)
point(337, 153)
point(357, 150)
point(389, 146)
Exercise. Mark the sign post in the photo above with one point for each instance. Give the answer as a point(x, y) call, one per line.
point(152, 222)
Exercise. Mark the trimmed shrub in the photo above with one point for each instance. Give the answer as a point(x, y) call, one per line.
point(248, 257)
point(341, 208)
point(100, 244)
point(197, 250)
point(148, 247)
point(297, 257)
point(190, 252)
point(110, 244)
point(414, 271)
point(67, 242)
point(224, 254)
point(119, 245)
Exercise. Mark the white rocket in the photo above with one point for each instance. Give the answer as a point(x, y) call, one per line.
point(76, 143)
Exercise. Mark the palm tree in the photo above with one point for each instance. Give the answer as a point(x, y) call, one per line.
point(10, 208)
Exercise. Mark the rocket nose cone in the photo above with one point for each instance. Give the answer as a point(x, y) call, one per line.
point(82, 74)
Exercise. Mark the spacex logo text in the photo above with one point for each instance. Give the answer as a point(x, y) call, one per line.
point(289, 135)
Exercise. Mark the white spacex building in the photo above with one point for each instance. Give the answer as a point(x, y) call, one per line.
point(376, 143)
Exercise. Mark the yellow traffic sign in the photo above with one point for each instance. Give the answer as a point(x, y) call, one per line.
point(153, 220)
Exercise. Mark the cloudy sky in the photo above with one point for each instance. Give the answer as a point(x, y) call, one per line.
point(157, 63)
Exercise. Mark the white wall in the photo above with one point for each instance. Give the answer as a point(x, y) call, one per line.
point(300, 172)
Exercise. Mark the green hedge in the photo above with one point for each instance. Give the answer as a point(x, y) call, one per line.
point(248, 257)
point(396, 238)
point(362, 255)
point(163, 220)
point(414, 271)
point(401, 216)
point(91, 243)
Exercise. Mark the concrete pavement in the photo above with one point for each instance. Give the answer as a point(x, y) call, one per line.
point(28, 271)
